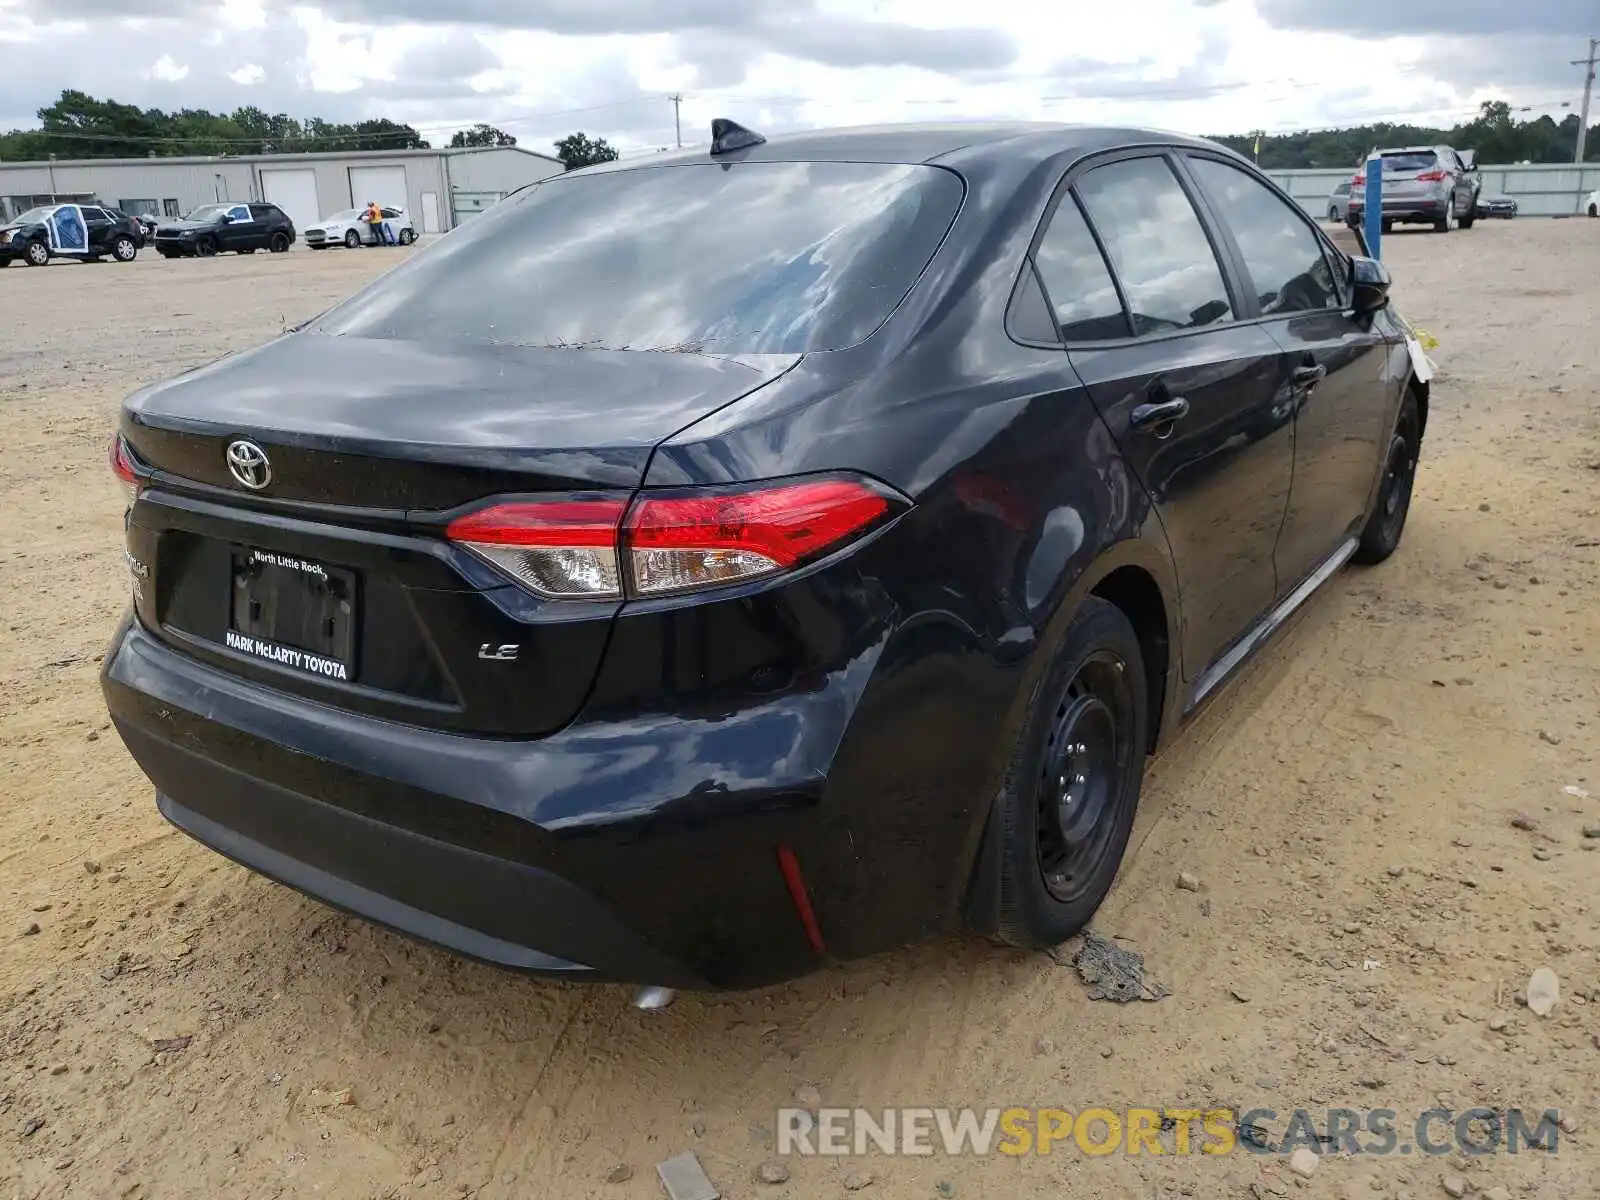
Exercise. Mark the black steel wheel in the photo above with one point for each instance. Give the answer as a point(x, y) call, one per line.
point(1070, 796)
point(280, 243)
point(205, 247)
point(1387, 523)
point(1080, 781)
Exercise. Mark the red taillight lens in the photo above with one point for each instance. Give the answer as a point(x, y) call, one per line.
point(122, 466)
point(674, 542)
point(679, 543)
point(1430, 177)
point(1358, 180)
point(564, 549)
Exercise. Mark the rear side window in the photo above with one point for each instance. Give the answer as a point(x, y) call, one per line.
point(1077, 280)
point(1343, 189)
point(1161, 253)
point(730, 258)
point(1282, 254)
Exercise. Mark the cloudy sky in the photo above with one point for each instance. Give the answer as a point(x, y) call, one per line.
point(542, 68)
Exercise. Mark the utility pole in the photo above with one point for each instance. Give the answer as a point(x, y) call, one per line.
point(1588, 88)
point(677, 116)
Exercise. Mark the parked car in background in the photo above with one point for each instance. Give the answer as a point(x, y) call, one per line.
point(1502, 208)
point(86, 232)
point(1430, 185)
point(147, 227)
point(238, 227)
point(806, 569)
point(1339, 203)
point(350, 228)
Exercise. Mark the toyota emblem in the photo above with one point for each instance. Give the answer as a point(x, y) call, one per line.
point(247, 463)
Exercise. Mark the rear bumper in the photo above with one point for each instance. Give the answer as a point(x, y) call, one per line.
point(1406, 210)
point(641, 851)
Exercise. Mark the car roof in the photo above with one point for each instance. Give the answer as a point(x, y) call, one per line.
point(967, 143)
point(1407, 149)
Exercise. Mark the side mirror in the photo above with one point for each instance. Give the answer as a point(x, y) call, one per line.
point(1369, 280)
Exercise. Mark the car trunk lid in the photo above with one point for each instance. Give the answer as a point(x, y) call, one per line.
point(333, 579)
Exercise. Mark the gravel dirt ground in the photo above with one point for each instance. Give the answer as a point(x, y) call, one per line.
point(1385, 821)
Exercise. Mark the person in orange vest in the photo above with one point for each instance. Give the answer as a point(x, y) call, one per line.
point(380, 232)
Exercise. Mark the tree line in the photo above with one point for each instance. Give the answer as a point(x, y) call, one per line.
point(78, 125)
point(1495, 134)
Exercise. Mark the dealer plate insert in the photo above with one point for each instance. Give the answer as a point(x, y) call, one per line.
point(293, 612)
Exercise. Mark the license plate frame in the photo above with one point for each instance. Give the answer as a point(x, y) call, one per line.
point(298, 613)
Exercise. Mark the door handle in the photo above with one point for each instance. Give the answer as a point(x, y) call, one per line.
point(1154, 416)
point(1309, 375)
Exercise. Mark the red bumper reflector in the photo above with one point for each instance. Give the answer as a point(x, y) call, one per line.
point(790, 866)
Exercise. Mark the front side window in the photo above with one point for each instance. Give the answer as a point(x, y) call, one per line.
point(1157, 245)
point(1075, 275)
point(731, 258)
point(1282, 253)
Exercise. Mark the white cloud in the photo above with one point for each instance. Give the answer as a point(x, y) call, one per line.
point(167, 70)
point(543, 68)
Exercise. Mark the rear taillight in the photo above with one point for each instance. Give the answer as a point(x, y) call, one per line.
point(1430, 177)
point(564, 549)
point(122, 466)
point(680, 541)
point(1358, 180)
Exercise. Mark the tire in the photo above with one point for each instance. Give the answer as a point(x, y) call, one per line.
point(1388, 520)
point(205, 247)
point(1447, 222)
point(37, 254)
point(352, 239)
point(123, 249)
point(1070, 794)
point(280, 243)
point(407, 236)
point(1468, 221)
point(168, 254)
point(1594, 210)
point(1388, 224)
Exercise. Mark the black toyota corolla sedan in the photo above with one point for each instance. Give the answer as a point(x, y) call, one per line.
point(700, 568)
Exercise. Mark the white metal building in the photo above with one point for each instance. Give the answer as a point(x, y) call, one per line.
point(438, 187)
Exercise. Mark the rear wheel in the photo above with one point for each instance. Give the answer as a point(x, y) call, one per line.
point(1594, 210)
point(1068, 801)
point(1388, 520)
point(124, 250)
point(1388, 224)
point(37, 254)
point(407, 236)
point(1447, 222)
point(279, 243)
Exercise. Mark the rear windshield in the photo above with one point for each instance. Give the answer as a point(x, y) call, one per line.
point(743, 258)
point(1410, 160)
